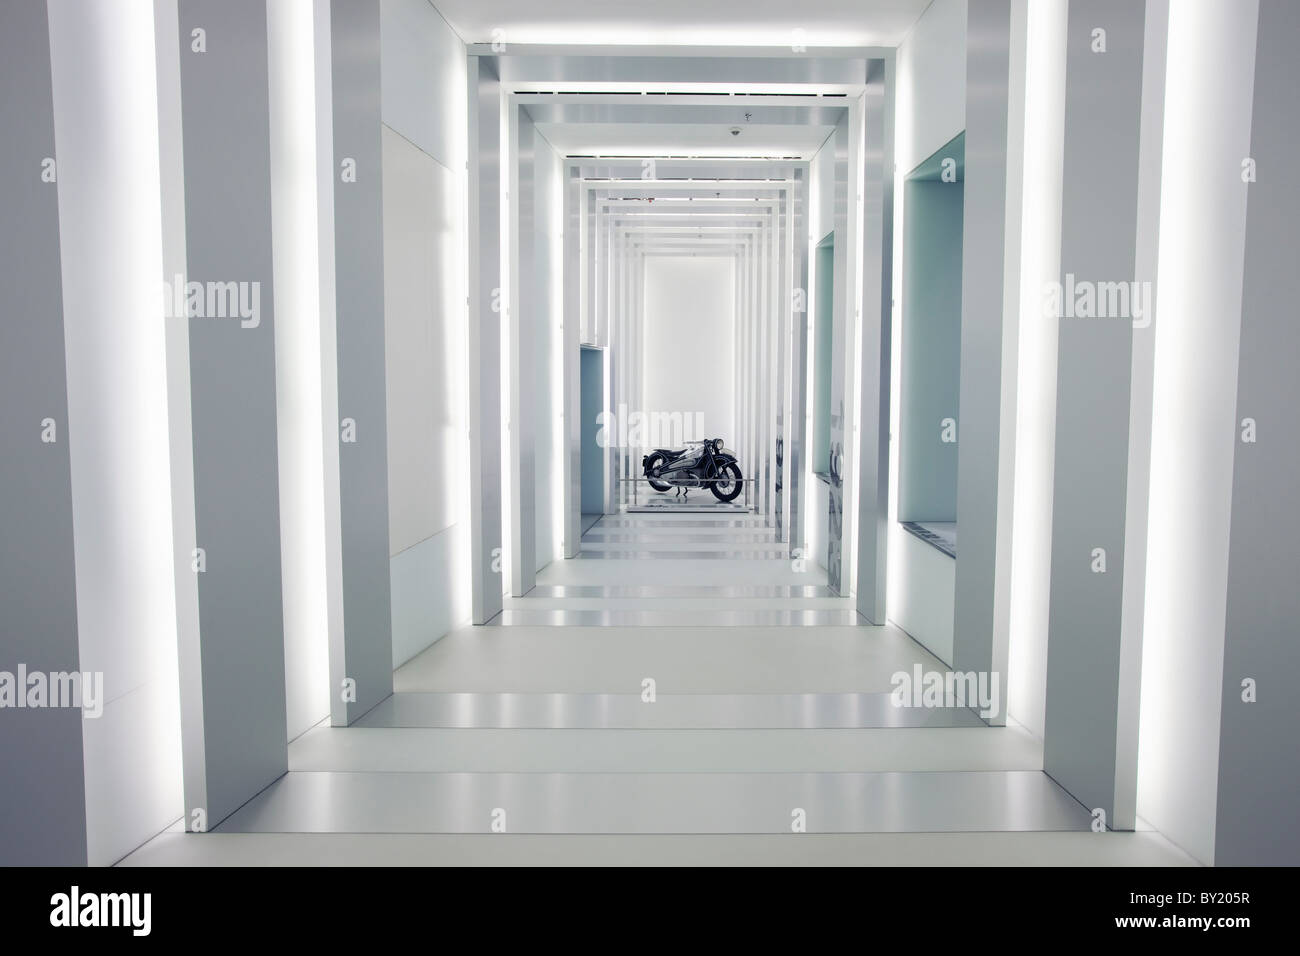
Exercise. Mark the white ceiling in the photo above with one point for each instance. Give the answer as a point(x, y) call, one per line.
point(683, 139)
point(775, 23)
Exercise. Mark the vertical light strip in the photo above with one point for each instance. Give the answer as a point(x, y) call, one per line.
point(506, 316)
point(458, 360)
point(556, 228)
point(179, 420)
point(295, 228)
point(1004, 501)
point(619, 348)
point(853, 316)
point(810, 487)
point(1138, 493)
point(905, 120)
point(762, 368)
point(1040, 255)
point(109, 177)
point(785, 217)
point(768, 368)
point(1209, 88)
point(604, 329)
point(573, 324)
point(327, 420)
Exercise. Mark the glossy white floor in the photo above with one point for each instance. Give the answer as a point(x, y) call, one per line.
point(770, 699)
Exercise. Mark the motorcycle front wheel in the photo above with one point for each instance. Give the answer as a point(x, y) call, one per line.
point(729, 483)
point(653, 462)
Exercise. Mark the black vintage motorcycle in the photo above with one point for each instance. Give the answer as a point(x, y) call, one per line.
point(699, 463)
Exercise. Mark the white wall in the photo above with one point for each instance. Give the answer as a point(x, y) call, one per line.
point(110, 221)
point(821, 204)
point(424, 145)
point(425, 389)
point(926, 594)
point(423, 79)
point(690, 325)
point(930, 109)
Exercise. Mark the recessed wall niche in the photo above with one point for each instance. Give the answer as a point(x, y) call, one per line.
point(931, 346)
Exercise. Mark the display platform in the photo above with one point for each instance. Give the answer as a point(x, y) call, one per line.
point(670, 503)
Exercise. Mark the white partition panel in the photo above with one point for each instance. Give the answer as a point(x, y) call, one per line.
point(423, 104)
point(43, 805)
point(232, 670)
point(363, 652)
point(1086, 745)
point(1257, 793)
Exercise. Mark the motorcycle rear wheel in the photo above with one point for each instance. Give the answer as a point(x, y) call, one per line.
point(653, 462)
